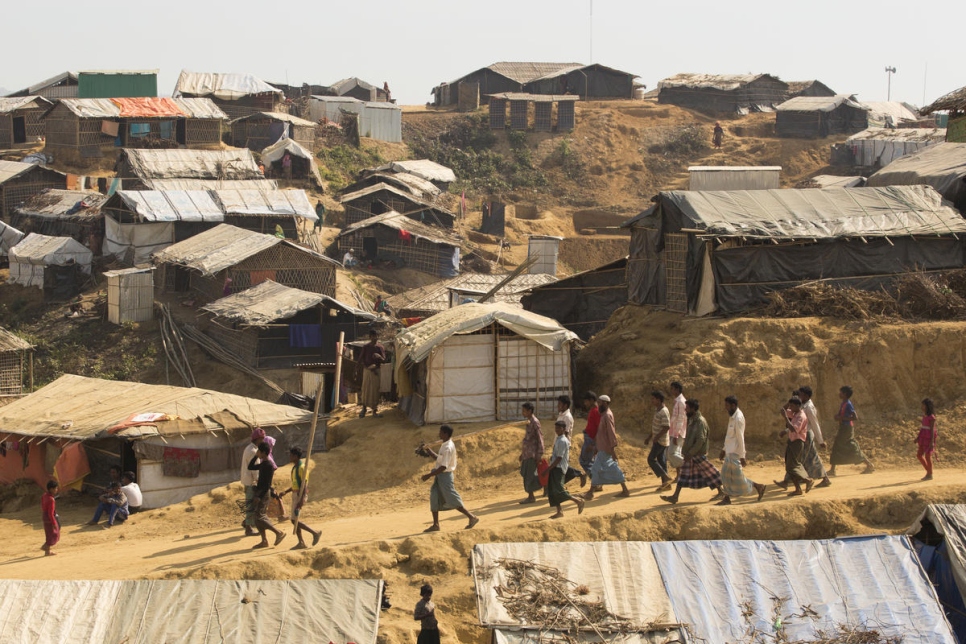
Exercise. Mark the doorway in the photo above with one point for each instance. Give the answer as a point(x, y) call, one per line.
point(370, 248)
point(19, 129)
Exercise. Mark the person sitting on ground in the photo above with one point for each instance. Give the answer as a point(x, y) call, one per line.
point(425, 614)
point(380, 306)
point(559, 465)
point(263, 491)
point(697, 471)
point(114, 502)
point(349, 260)
point(132, 491)
point(298, 499)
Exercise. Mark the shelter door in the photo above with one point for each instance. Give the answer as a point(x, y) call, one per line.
point(370, 248)
point(19, 129)
point(460, 380)
point(675, 264)
point(527, 371)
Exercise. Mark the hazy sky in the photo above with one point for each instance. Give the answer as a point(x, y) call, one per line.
point(415, 44)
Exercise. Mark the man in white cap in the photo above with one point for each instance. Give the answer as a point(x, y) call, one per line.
point(606, 471)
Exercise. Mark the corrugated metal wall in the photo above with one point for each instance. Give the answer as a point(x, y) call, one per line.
point(116, 85)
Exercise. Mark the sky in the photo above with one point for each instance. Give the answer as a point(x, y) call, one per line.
point(416, 44)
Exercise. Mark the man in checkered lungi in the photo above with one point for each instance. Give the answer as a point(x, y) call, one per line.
point(696, 471)
point(733, 479)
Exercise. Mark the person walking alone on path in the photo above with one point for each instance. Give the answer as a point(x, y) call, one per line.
point(606, 470)
point(559, 465)
point(845, 451)
point(298, 499)
point(589, 448)
point(697, 471)
point(659, 441)
point(733, 479)
point(265, 467)
point(927, 437)
point(811, 460)
point(48, 511)
point(443, 494)
point(425, 614)
point(718, 135)
point(796, 428)
point(530, 453)
point(372, 356)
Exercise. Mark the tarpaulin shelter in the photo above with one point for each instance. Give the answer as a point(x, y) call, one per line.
point(699, 252)
point(439, 175)
point(262, 129)
point(716, 591)
point(220, 611)
point(303, 161)
point(139, 223)
point(820, 116)
point(480, 362)
point(20, 181)
point(63, 85)
point(237, 94)
point(429, 300)
point(890, 113)
point(357, 88)
point(180, 441)
point(877, 147)
point(227, 259)
point(394, 240)
point(418, 187)
point(271, 326)
point(939, 536)
point(20, 120)
point(381, 198)
point(809, 88)
point(583, 302)
point(63, 213)
point(9, 237)
point(725, 93)
point(143, 169)
point(35, 260)
point(942, 166)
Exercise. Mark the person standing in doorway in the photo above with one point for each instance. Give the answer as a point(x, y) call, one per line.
point(48, 510)
point(606, 470)
point(845, 451)
point(443, 494)
point(734, 482)
point(660, 426)
point(425, 614)
point(265, 467)
point(298, 498)
point(530, 453)
point(372, 357)
point(287, 165)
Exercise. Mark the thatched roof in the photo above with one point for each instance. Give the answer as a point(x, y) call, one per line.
point(954, 101)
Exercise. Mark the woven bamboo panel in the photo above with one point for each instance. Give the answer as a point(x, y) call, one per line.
point(11, 372)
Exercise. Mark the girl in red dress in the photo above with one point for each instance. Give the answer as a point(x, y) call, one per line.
point(48, 507)
point(927, 437)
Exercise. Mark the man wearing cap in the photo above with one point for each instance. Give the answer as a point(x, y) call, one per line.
point(372, 356)
point(606, 471)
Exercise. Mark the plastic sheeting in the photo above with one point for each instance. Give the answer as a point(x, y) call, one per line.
point(422, 168)
point(818, 103)
point(258, 202)
point(192, 164)
point(460, 380)
point(277, 150)
point(871, 582)
point(228, 87)
point(9, 237)
point(136, 243)
point(942, 166)
point(263, 304)
point(172, 205)
point(223, 611)
point(30, 256)
point(950, 521)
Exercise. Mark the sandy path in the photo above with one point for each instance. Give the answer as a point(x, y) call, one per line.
point(157, 542)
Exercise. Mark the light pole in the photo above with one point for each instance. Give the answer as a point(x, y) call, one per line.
point(889, 72)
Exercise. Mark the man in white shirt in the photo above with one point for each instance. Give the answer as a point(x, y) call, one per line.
point(811, 459)
point(248, 479)
point(565, 416)
point(443, 494)
point(679, 418)
point(733, 479)
point(132, 491)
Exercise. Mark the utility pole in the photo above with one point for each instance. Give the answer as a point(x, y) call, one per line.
point(591, 61)
point(889, 72)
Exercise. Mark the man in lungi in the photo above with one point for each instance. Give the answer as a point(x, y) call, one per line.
point(248, 478)
point(733, 479)
point(531, 452)
point(796, 427)
point(567, 418)
point(812, 461)
point(659, 441)
point(443, 494)
point(679, 417)
point(559, 464)
point(697, 471)
point(265, 467)
point(845, 451)
point(589, 448)
point(606, 471)
point(372, 356)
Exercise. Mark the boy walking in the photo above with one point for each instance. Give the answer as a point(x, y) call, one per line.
point(559, 464)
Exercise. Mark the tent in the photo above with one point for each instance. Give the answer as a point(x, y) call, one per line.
point(942, 166)
point(939, 536)
point(277, 150)
point(30, 259)
point(716, 591)
point(480, 362)
point(697, 252)
point(820, 116)
point(147, 611)
point(180, 441)
point(392, 239)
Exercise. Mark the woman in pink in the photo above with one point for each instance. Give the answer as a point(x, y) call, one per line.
point(48, 508)
point(927, 437)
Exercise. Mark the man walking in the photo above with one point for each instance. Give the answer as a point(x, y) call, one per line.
point(559, 465)
point(589, 449)
point(796, 427)
point(697, 471)
point(372, 356)
point(567, 418)
point(733, 479)
point(531, 452)
point(265, 467)
point(606, 471)
point(660, 425)
point(845, 451)
point(443, 494)
point(811, 459)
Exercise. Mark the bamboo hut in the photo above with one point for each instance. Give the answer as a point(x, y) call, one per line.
point(392, 240)
point(723, 93)
point(381, 198)
point(64, 213)
point(20, 181)
point(20, 120)
point(820, 116)
point(16, 365)
point(262, 129)
point(227, 259)
point(173, 169)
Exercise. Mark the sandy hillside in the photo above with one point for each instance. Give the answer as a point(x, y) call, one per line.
point(372, 507)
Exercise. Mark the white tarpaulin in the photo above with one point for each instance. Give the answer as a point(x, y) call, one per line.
point(196, 611)
point(228, 87)
point(135, 243)
point(725, 590)
point(30, 256)
point(459, 384)
point(9, 237)
point(949, 521)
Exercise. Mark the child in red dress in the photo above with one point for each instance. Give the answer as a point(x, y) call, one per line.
point(927, 437)
point(48, 508)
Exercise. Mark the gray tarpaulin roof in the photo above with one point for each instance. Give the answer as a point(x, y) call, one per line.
point(835, 181)
point(216, 249)
point(263, 304)
point(11, 342)
point(227, 87)
point(50, 251)
point(277, 116)
point(192, 164)
point(818, 103)
point(9, 237)
point(890, 110)
point(211, 184)
point(398, 221)
point(949, 521)
point(8, 105)
point(819, 214)
point(435, 297)
point(258, 202)
point(422, 168)
point(13, 169)
point(172, 205)
point(724, 82)
point(105, 108)
point(79, 408)
point(936, 134)
point(148, 611)
point(420, 339)
point(525, 72)
point(942, 166)
point(410, 182)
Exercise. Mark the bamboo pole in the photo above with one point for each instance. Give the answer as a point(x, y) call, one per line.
point(336, 389)
point(304, 489)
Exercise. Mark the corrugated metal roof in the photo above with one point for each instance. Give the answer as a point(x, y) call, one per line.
point(818, 103)
point(228, 87)
point(398, 221)
point(52, 81)
point(193, 164)
point(77, 407)
point(8, 105)
point(525, 72)
point(277, 116)
point(258, 202)
point(725, 82)
point(57, 203)
point(954, 100)
point(12, 342)
point(211, 184)
point(422, 168)
point(937, 134)
point(263, 304)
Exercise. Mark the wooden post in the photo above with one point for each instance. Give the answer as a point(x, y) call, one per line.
point(31, 371)
point(336, 389)
point(304, 489)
